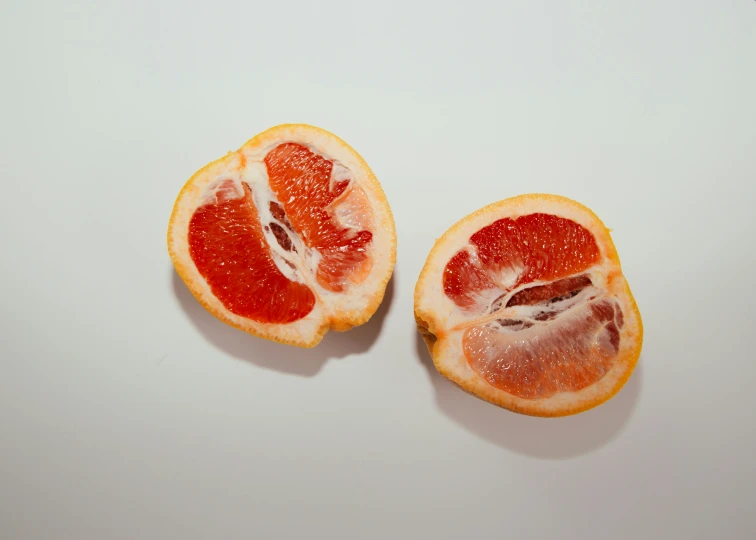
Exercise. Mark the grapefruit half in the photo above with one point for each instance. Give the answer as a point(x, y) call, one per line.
point(523, 304)
point(285, 238)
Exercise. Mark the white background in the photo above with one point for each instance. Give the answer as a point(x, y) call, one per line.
point(127, 411)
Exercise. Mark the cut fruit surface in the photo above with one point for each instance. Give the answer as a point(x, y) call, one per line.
point(227, 245)
point(286, 237)
point(524, 304)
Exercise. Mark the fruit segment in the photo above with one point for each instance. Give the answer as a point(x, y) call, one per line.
point(308, 189)
point(534, 360)
point(226, 243)
point(512, 252)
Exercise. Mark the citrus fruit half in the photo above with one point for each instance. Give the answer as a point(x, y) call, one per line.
point(286, 237)
point(523, 304)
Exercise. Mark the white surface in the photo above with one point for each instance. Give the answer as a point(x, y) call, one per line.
point(128, 412)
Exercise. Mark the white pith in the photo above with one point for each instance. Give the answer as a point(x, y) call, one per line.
point(529, 312)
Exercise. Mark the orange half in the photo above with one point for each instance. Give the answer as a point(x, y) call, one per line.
point(523, 304)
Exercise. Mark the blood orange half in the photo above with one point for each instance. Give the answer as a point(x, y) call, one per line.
point(286, 237)
point(523, 304)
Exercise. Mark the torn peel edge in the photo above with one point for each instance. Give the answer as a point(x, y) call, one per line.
point(429, 337)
